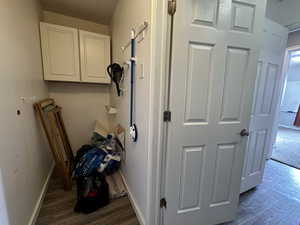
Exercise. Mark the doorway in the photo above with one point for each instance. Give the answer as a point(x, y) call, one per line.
point(186, 149)
point(287, 145)
point(213, 67)
point(276, 198)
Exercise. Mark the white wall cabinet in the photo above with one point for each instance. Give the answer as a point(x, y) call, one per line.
point(60, 53)
point(74, 55)
point(94, 57)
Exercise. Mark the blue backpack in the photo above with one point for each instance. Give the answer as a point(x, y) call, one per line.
point(89, 162)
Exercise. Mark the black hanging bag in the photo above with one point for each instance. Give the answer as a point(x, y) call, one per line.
point(92, 193)
point(115, 71)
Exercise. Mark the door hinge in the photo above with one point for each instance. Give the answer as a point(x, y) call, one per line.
point(163, 203)
point(167, 116)
point(172, 7)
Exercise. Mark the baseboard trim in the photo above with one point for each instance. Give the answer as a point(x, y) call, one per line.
point(284, 163)
point(135, 206)
point(40, 200)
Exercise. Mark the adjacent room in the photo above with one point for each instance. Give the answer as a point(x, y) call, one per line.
point(286, 149)
point(150, 112)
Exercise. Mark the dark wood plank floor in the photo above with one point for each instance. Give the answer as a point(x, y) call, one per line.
point(58, 206)
point(275, 202)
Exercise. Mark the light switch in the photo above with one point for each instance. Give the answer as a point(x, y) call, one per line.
point(140, 71)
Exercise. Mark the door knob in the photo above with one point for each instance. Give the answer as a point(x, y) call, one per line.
point(244, 133)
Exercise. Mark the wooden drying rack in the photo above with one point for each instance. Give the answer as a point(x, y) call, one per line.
point(52, 122)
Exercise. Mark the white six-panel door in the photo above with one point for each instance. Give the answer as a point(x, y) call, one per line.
point(214, 62)
point(265, 103)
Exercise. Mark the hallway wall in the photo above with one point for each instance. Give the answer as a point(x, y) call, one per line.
point(291, 98)
point(294, 39)
point(25, 159)
point(82, 105)
point(131, 14)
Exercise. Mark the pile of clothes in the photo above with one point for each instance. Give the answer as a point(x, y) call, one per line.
point(92, 164)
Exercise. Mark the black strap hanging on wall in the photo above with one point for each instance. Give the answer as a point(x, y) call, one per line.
point(115, 72)
point(133, 128)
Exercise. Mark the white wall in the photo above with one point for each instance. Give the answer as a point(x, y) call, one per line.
point(284, 12)
point(294, 39)
point(293, 73)
point(82, 104)
point(25, 158)
point(291, 99)
point(129, 14)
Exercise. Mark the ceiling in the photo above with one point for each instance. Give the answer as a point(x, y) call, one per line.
point(284, 12)
point(99, 11)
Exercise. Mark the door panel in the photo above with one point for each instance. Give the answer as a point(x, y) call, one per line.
point(223, 174)
point(264, 107)
point(260, 142)
point(243, 16)
point(236, 64)
point(272, 75)
point(191, 173)
point(199, 75)
point(214, 63)
point(206, 12)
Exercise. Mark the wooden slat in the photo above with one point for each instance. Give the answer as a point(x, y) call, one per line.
point(57, 138)
point(46, 102)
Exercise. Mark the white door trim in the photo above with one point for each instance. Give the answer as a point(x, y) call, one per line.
point(282, 83)
point(159, 66)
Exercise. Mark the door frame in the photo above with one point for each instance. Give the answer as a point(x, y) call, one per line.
point(4, 219)
point(159, 89)
point(280, 90)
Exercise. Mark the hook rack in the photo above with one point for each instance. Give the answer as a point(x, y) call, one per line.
point(142, 28)
point(127, 63)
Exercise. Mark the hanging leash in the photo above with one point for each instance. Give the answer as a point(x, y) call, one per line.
point(133, 132)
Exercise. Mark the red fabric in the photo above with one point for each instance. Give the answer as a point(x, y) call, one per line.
point(297, 120)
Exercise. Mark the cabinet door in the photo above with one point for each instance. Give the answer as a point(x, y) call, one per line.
point(60, 50)
point(94, 57)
